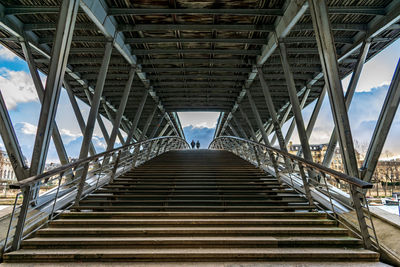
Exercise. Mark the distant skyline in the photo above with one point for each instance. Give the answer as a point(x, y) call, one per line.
point(21, 99)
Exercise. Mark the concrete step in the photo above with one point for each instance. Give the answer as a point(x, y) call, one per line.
point(192, 242)
point(190, 222)
point(191, 255)
point(192, 231)
point(196, 215)
point(195, 208)
point(227, 202)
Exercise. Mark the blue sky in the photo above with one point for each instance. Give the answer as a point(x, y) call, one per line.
point(21, 99)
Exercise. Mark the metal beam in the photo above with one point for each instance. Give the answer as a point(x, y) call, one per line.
point(196, 27)
point(94, 108)
point(294, 100)
point(163, 130)
point(58, 143)
point(258, 118)
point(271, 109)
point(382, 127)
point(99, 118)
point(111, 119)
point(153, 133)
point(121, 110)
point(151, 40)
point(292, 124)
point(330, 150)
point(58, 63)
point(252, 132)
point(136, 119)
point(11, 144)
point(148, 123)
point(323, 32)
point(239, 126)
point(78, 116)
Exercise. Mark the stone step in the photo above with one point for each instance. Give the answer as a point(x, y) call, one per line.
point(196, 215)
point(192, 231)
point(192, 255)
point(195, 202)
point(195, 208)
point(186, 242)
point(190, 222)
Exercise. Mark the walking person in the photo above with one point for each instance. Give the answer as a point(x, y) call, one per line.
point(192, 144)
point(198, 144)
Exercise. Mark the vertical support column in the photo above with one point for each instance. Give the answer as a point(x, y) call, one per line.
point(11, 142)
point(327, 53)
point(121, 109)
point(136, 119)
point(258, 118)
point(271, 109)
point(78, 115)
point(382, 127)
point(58, 143)
point(292, 124)
point(58, 63)
point(298, 117)
point(153, 133)
point(94, 109)
point(99, 119)
point(348, 98)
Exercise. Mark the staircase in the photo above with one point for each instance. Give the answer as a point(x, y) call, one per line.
point(194, 206)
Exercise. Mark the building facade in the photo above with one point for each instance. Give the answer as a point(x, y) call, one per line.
point(6, 170)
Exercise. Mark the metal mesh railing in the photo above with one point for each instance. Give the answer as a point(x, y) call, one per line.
point(47, 195)
point(341, 196)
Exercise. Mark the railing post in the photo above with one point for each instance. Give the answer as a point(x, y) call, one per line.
point(19, 229)
point(256, 154)
point(306, 184)
point(361, 217)
point(275, 165)
point(114, 171)
point(81, 185)
point(150, 146)
point(159, 147)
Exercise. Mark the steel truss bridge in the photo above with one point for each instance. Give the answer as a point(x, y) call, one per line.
point(138, 63)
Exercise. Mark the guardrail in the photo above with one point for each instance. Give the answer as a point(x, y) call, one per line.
point(339, 195)
point(67, 185)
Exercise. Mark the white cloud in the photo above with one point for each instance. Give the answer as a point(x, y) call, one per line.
point(198, 119)
point(6, 54)
point(27, 128)
point(98, 142)
point(16, 87)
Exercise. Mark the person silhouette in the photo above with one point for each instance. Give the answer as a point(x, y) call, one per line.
point(192, 144)
point(198, 144)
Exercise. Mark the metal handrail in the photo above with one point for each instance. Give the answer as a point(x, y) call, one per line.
point(338, 175)
point(31, 180)
point(323, 187)
point(74, 181)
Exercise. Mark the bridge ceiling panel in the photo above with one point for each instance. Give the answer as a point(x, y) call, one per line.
point(195, 55)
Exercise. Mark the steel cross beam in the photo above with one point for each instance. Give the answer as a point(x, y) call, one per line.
point(97, 11)
point(94, 109)
point(258, 118)
point(239, 127)
point(98, 117)
point(58, 63)
point(233, 129)
point(252, 132)
point(153, 133)
point(148, 123)
point(292, 14)
point(58, 143)
point(136, 118)
point(326, 46)
point(292, 124)
point(348, 98)
point(163, 130)
point(294, 100)
point(382, 127)
point(111, 119)
point(271, 110)
point(78, 115)
point(10, 141)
